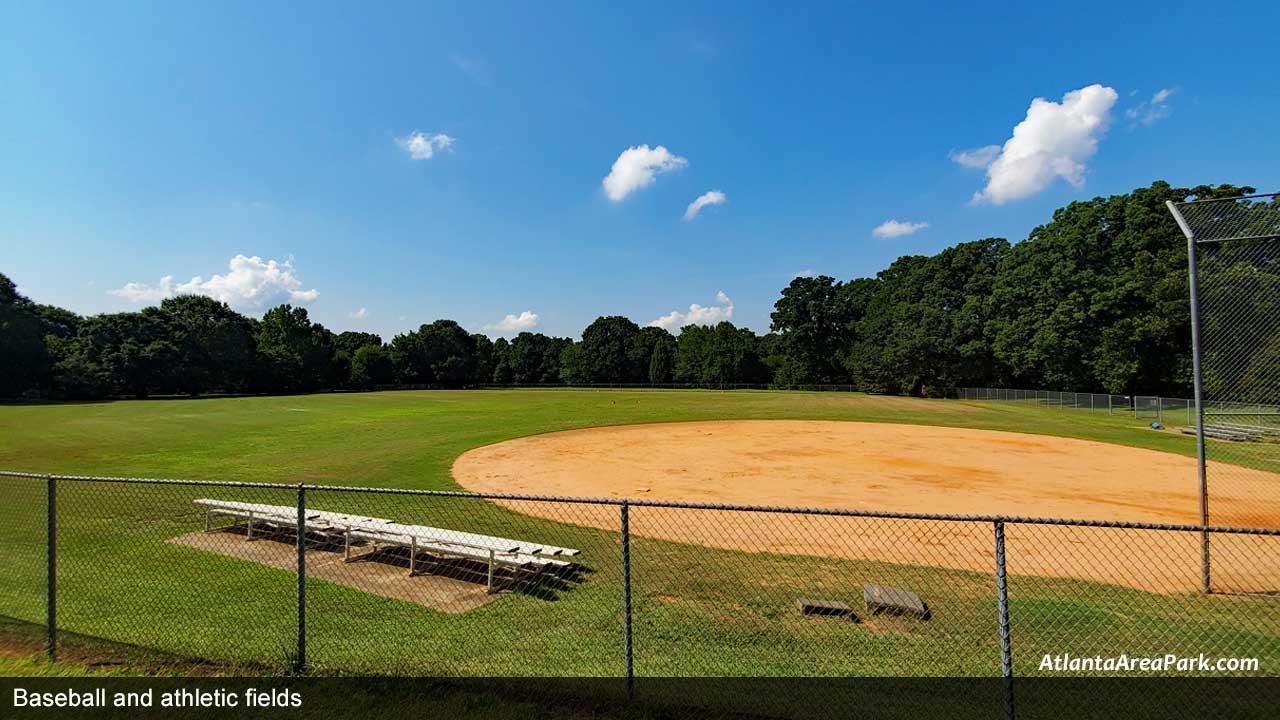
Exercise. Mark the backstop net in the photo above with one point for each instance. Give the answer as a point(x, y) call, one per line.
point(1234, 255)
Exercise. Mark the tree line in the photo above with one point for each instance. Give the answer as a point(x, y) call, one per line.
point(1094, 300)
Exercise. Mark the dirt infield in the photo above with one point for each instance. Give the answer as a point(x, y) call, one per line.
point(895, 467)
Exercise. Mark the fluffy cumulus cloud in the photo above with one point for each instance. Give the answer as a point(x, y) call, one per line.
point(423, 146)
point(895, 228)
point(711, 197)
point(250, 284)
point(527, 320)
point(1149, 112)
point(698, 315)
point(806, 273)
point(637, 167)
point(360, 314)
point(1055, 140)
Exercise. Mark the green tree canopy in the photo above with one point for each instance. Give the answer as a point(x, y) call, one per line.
point(371, 365)
point(440, 353)
point(215, 344)
point(24, 362)
point(294, 354)
point(606, 353)
point(812, 319)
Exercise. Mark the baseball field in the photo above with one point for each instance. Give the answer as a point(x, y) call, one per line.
point(714, 592)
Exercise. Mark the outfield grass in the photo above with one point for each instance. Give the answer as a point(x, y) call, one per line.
point(697, 611)
point(409, 439)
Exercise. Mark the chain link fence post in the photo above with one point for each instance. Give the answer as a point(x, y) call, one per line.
point(51, 577)
point(300, 658)
point(1233, 253)
point(1002, 604)
point(625, 513)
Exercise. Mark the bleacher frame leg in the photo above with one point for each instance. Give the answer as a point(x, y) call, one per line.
point(346, 546)
point(489, 584)
point(413, 556)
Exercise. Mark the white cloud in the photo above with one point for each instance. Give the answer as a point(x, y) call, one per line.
point(1053, 141)
point(698, 315)
point(637, 167)
point(894, 228)
point(360, 314)
point(250, 283)
point(141, 292)
point(711, 197)
point(1149, 112)
point(473, 68)
point(422, 146)
point(527, 320)
point(980, 158)
point(807, 272)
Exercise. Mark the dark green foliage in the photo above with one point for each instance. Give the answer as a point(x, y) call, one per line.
point(502, 373)
point(719, 355)
point(919, 327)
point(570, 365)
point(1240, 308)
point(813, 320)
point(56, 321)
point(294, 354)
point(441, 353)
point(1095, 300)
point(654, 351)
point(119, 354)
point(534, 359)
point(215, 345)
point(483, 372)
point(351, 341)
point(24, 363)
point(607, 352)
point(371, 365)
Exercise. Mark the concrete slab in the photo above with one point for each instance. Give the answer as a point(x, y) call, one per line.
point(895, 601)
point(385, 576)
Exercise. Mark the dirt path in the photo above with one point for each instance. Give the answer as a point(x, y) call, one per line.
point(907, 468)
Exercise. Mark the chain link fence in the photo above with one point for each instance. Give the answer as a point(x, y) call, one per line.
point(266, 579)
point(1234, 255)
point(1092, 402)
point(1172, 412)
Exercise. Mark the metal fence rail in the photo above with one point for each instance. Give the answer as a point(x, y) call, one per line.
point(1093, 402)
point(658, 589)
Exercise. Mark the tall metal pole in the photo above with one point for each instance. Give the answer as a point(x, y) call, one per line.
point(300, 661)
point(51, 577)
point(1193, 277)
point(1002, 604)
point(626, 595)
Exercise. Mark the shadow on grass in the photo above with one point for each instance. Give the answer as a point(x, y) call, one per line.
point(22, 638)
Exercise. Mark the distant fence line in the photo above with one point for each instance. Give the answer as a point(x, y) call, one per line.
point(1181, 411)
point(828, 387)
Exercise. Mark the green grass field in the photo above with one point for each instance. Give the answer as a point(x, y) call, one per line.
point(697, 611)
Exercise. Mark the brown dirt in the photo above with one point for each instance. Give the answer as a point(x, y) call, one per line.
point(386, 579)
point(904, 468)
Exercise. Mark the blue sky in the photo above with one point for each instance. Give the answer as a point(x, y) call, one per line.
point(147, 140)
